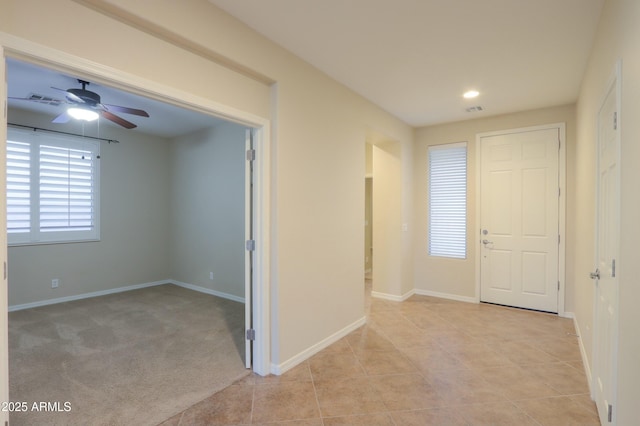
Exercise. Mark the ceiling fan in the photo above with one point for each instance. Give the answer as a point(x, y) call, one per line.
point(86, 105)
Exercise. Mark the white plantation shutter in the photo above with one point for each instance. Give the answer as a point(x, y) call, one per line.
point(448, 200)
point(52, 188)
point(66, 189)
point(18, 187)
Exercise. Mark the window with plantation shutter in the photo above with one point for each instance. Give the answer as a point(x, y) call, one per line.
point(18, 187)
point(52, 188)
point(448, 200)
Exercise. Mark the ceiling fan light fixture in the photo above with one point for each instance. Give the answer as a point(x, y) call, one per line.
point(471, 94)
point(83, 114)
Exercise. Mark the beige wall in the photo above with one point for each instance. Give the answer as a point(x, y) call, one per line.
point(617, 38)
point(387, 219)
point(207, 225)
point(456, 277)
point(319, 127)
point(134, 216)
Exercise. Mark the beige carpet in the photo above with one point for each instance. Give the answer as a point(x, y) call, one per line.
point(133, 358)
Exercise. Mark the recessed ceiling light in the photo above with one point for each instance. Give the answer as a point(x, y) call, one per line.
point(471, 94)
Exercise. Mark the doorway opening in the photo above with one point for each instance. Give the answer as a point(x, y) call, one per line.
point(258, 190)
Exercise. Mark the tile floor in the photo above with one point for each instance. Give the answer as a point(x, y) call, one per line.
point(425, 361)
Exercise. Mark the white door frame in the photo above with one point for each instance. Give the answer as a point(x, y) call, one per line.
point(562, 182)
point(12, 46)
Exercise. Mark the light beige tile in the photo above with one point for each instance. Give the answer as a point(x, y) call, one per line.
point(432, 358)
point(335, 365)
point(480, 355)
point(522, 353)
point(386, 362)
point(368, 339)
point(564, 349)
point(431, 417)
point(342, 397)
point(561, 377)
point(410, 337)
point(560, 411)
point(229, 406)
point(516, 383)
point(466, 387)
point(382, 419)
point(406, 392)
point(285, 401)
point(500, 414)
point(306, 422)
point(586, 402)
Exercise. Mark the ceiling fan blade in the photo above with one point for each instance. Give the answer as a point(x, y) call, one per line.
point(118, 120)
point(62, 118)
point(126, 110)
point(71, 96)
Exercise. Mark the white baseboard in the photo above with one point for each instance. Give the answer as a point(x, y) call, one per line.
point(583, 354)
point(392, 297)
point(208, 291)
point(446, 296)
point(123, 289)
point(85, 295)
point(279, 369)
point(569, 315)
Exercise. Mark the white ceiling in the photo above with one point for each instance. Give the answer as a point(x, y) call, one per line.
point(415, 58)
point(165, 120)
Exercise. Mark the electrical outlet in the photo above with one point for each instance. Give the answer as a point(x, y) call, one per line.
point(210, 275)
point(54, 283)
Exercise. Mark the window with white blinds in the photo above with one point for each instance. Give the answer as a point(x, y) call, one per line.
point(448, 200)
point(52, 188)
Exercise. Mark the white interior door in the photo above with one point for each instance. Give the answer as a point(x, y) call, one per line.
point(519, 191)
point(248, 261)
point(607, 239)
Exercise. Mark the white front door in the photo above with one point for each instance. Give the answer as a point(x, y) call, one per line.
point(607, 239)
point(519, 191)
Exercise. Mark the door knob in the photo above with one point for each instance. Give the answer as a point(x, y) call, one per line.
point(595, 275)
point(485, 242)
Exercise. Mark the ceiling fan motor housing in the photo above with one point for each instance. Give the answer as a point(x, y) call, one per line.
point(90, 98)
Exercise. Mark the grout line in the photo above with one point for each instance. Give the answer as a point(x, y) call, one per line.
point(253, 402)
point(315, 392)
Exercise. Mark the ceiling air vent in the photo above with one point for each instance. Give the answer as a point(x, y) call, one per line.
point(44, 99)
point(477, 108)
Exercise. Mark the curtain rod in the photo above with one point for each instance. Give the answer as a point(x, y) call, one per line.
point(64, 133)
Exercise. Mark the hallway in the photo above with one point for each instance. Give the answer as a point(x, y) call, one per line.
point(425, 361)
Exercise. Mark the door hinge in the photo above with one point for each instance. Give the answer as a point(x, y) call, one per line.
point(5, 269)
point(610, 413)
point(558, 285)
point(250, 245)
point(251, 154)
point(613, 268)
point(558, 192)
point(615, 120)
point(251, 334)
point(558, 239)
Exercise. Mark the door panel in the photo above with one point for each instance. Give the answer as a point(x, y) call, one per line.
point(607, 240)
point(519, 219)
point(248, 260)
